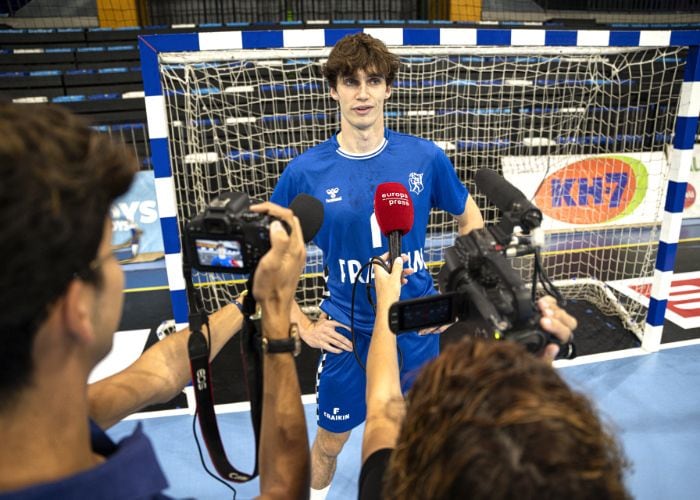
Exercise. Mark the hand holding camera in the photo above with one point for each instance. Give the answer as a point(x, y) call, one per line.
point(277, 273)
point(265, 242)
point(229, 236)
point(556, 322)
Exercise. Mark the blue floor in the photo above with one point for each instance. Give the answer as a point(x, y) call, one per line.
point(652, 401)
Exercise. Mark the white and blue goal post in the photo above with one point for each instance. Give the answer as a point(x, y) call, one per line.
point(429, 35)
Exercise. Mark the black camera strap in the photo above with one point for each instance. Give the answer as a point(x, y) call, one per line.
point(251, 357)
point(198, 349)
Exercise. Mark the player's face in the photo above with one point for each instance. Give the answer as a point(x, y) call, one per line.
point(361, 98)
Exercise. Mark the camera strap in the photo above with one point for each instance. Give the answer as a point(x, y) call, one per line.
point(198, 350)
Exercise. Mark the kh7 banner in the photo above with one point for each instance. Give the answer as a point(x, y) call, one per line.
point(600, 190)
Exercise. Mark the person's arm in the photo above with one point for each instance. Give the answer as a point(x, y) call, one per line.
point(159, 374)
point(470, 218)
point(385, 404)
point(285, 464)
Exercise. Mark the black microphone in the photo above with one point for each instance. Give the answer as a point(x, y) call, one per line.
point(309, 211)
point(508, 198)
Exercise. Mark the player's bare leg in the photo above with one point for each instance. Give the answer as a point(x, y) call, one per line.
point(324, 456)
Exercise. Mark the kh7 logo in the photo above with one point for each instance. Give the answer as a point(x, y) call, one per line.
point(594, 190)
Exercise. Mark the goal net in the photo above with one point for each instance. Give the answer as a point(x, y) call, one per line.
point(583, 132)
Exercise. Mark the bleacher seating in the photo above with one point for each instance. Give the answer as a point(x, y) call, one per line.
point(93, 71)
point(96, 73)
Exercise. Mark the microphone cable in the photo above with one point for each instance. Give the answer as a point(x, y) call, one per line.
point(358, 275)
point(385, 266)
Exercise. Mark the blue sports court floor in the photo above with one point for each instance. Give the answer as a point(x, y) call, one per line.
point(651, 401)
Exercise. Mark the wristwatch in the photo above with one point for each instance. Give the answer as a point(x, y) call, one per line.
point(292, 344)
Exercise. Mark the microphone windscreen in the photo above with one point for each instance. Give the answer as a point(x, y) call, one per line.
point(497, 190)
point(309, 211)
point(393, 208)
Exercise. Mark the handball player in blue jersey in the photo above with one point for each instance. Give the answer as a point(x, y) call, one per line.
point(343, 173)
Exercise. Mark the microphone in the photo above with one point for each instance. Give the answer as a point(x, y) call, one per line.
point(309, 211)
point(393, 208)
point(508, 198)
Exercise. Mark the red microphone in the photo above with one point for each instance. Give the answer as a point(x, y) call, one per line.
point(393, 207)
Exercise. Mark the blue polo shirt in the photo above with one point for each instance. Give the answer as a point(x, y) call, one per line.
point(130, 471)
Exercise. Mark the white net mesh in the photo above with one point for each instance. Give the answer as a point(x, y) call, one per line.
point(237, 117)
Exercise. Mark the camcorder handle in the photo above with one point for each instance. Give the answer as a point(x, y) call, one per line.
point(199, 351)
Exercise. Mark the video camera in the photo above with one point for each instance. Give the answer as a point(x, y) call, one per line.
point(478, 283)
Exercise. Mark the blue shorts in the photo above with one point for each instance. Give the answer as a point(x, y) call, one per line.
point(341, 381)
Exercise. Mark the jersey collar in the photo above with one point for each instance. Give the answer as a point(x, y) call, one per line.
point(364, 156)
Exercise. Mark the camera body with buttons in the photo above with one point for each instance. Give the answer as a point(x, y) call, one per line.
point(227, 237)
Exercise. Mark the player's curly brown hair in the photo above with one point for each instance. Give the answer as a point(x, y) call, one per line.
point(360, 51)
point(58, 178)
point(486, 420)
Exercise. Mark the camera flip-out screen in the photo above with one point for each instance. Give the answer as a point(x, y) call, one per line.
point(221, 254)
point(414, 314)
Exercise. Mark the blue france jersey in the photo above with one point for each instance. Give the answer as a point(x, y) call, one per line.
point(350, 236)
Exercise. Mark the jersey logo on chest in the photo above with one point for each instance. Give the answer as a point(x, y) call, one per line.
point(415, 182)
point(333, 195)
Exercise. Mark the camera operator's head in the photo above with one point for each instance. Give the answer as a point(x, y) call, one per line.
point(59, 178)
point(487, 420)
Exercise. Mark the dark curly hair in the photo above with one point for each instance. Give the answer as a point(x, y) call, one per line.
point(486, 420)
point(360, 51)
point(58, 180)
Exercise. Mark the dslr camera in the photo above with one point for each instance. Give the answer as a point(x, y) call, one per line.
point(227, 237)
point(479, 284)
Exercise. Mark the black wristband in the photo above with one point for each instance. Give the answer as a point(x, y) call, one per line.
point(291, 344)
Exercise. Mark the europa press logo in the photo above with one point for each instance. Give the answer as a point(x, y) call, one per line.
point(594, 190)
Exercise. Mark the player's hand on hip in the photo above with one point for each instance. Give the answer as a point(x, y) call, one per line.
point(323, 335)
point(557, 322)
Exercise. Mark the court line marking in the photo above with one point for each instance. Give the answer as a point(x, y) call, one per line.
point(310, 399)
point(242, 406)
point(626, 353)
